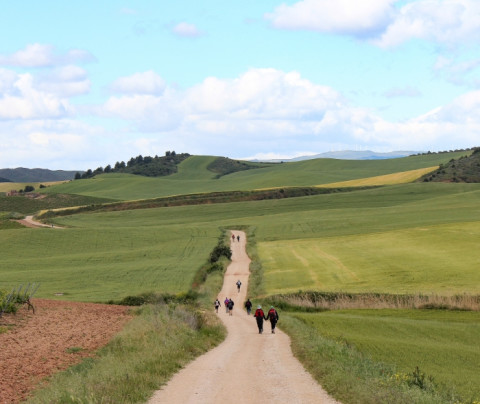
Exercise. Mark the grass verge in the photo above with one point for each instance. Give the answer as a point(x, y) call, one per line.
point(353, 377)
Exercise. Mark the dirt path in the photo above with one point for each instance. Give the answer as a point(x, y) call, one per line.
point(247, 367)
point(30, 222)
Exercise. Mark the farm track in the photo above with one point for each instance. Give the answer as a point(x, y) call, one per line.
point(247, 367)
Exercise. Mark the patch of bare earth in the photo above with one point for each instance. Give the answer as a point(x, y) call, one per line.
point(58, 335)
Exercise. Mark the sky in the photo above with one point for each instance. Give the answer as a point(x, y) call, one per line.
point(84, 84)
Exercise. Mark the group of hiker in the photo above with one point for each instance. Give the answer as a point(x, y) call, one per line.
point(259, 315)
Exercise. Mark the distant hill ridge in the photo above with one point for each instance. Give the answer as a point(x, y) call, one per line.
point(347, 155)
point(21, 174)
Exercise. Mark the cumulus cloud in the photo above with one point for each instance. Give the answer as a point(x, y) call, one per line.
point(21, 99)
point(65, 81)
point(340, 16)
point(41, 55)
point(184, 29)
point(386, 23)
point(265, 107)
point(147, 82)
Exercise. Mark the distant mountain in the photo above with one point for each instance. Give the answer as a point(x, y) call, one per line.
point(35, 175)
point(347, 155)
point(4, 180)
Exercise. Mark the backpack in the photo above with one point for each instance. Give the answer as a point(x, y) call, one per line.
point(272, 314)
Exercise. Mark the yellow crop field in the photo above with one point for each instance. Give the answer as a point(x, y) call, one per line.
point(389, 179)
point(9, 186)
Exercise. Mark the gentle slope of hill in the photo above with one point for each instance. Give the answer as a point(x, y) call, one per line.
point(193, 176)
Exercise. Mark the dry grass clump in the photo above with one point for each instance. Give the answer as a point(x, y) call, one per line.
point(337, 301)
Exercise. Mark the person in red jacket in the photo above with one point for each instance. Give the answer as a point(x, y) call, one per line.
point(273, 317)
point(259, 316)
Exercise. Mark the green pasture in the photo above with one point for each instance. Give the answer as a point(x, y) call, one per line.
point(439, 259)
point(110, 260)
point(193, 177)
point(443, 344)
point(413, 237)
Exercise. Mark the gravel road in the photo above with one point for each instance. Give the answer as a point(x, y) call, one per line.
point(247, 367)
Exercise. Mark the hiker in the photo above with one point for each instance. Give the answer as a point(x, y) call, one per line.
point(248, 306)
point(238, 285)
point(217, 305)
point(230, 306)
point(273, 317)
point(233, 237)
point(226, 304)
point(238, 238)
point(259, 316)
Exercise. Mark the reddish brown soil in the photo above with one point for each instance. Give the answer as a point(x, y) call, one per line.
point(37, 345)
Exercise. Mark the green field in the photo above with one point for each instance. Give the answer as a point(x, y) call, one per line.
point(119, 256)
point(443, 344)
point(426, 233)
point(440, 259)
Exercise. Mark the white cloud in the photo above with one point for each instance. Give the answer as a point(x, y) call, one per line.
point(20, 99)
point(65, 81)
point(41, 55)
point(184, 29)
point(147, 82)
point(449, 22)
point(339, 16)
point(444, 21)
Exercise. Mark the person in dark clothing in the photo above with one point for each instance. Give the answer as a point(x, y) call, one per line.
point(230, 307)
point(259, 316)
point(238, 285)
point(248, 306)
point(238, 239)
point(273, 317)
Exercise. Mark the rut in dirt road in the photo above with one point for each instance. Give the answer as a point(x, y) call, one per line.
point(247, 367)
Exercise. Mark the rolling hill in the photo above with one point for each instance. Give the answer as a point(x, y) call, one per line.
point(194, 176)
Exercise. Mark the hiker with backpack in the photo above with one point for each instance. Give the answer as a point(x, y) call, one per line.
point(226, 304)
point(259, 316)
point(273, 317)
point(238, 285)
point(248, 306)
point(217, 305)
point(230, 306)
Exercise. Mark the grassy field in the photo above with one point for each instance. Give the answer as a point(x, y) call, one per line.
point(193, 177)
point(442, 344)
point(123, 255)
point(440, 259)
point(104, 256)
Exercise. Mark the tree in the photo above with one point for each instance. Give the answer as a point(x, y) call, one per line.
point(78, 175)
point(29, 188)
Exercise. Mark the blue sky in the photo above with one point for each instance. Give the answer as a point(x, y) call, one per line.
point(86, 84)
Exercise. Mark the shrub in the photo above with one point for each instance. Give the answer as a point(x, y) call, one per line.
point(220, 250)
